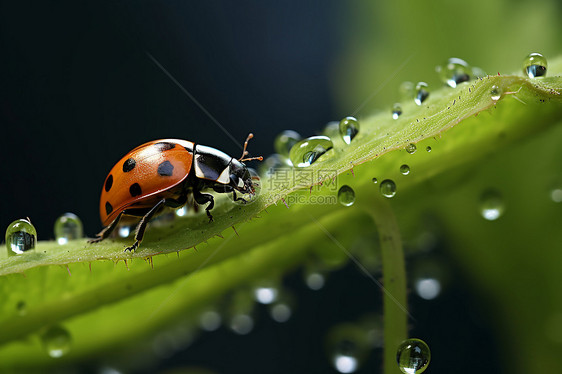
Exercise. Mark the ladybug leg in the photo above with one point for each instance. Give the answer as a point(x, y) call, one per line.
point(204, 198)
point(236, 198)
point(141, 227)
point(103, 234)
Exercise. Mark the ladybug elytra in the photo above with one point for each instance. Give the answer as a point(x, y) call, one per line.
point(162, 173)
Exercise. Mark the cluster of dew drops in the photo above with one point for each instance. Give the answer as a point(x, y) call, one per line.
point(348, 343)
point(292, 151)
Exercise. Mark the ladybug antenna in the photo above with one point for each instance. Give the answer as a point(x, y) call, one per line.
point(245, 152)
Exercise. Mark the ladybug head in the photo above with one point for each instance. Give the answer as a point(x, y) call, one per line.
point(240, 178)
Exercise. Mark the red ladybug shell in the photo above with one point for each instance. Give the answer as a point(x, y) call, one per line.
point(143, 176)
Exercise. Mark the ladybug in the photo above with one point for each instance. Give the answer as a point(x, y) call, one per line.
point(163, 173)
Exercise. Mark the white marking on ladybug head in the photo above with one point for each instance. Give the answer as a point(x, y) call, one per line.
point(198, 172)
point(240, 183)
point(224, 178)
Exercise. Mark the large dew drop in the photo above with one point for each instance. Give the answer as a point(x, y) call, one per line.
point(491, 205)
point(411, 148)
point(535, 65)
point(454, 72)
point(496, 93)
point(388, 188)
point(349, 128)
point(404, 169)
point(413, 356)
point(308, 150)
point(346, 195)
point(68, 227)
point(56, 341)
point(20, 237)
point(285, 141)
point(422, 93)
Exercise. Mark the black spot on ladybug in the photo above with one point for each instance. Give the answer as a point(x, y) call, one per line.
point(164, 146)
point(165, 169)
point(108, 208)
point(108, 183)
point(129, 165)
point(135, 190)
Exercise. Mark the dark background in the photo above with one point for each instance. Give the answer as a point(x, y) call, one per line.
point(77, 91)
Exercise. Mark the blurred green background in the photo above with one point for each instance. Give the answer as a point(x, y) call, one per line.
point(78, 91)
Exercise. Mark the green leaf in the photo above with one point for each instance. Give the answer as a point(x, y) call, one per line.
point(127, 299)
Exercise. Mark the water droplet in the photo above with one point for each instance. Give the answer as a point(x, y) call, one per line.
point(404, 169)
point(396, 111)
point(124, 231)
point(280, 312)
point(308, 150)
point(285, 141)
point(388, 188)
point(375, 180)
point(315, 274)
point(349, 128)
point(411, 148)
point(428, 288)
point(180, 212)
point(556, 195)
point(346, 195)
point(477, 72)
point(496, 92)
point(210, 320)
point(422, 93)
point(242, 324)
point(454, 72)
point(315, 280)
point(491, 204)
point(348, 346)
point(407, 90)
point(56, 341)
point(266, 292)
point(20, 237)
point(68, 227)
point(282, 309)
point(429, 276)
point(239, 311)
point(535, 65)
point(428, 149)
point(413, 356)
